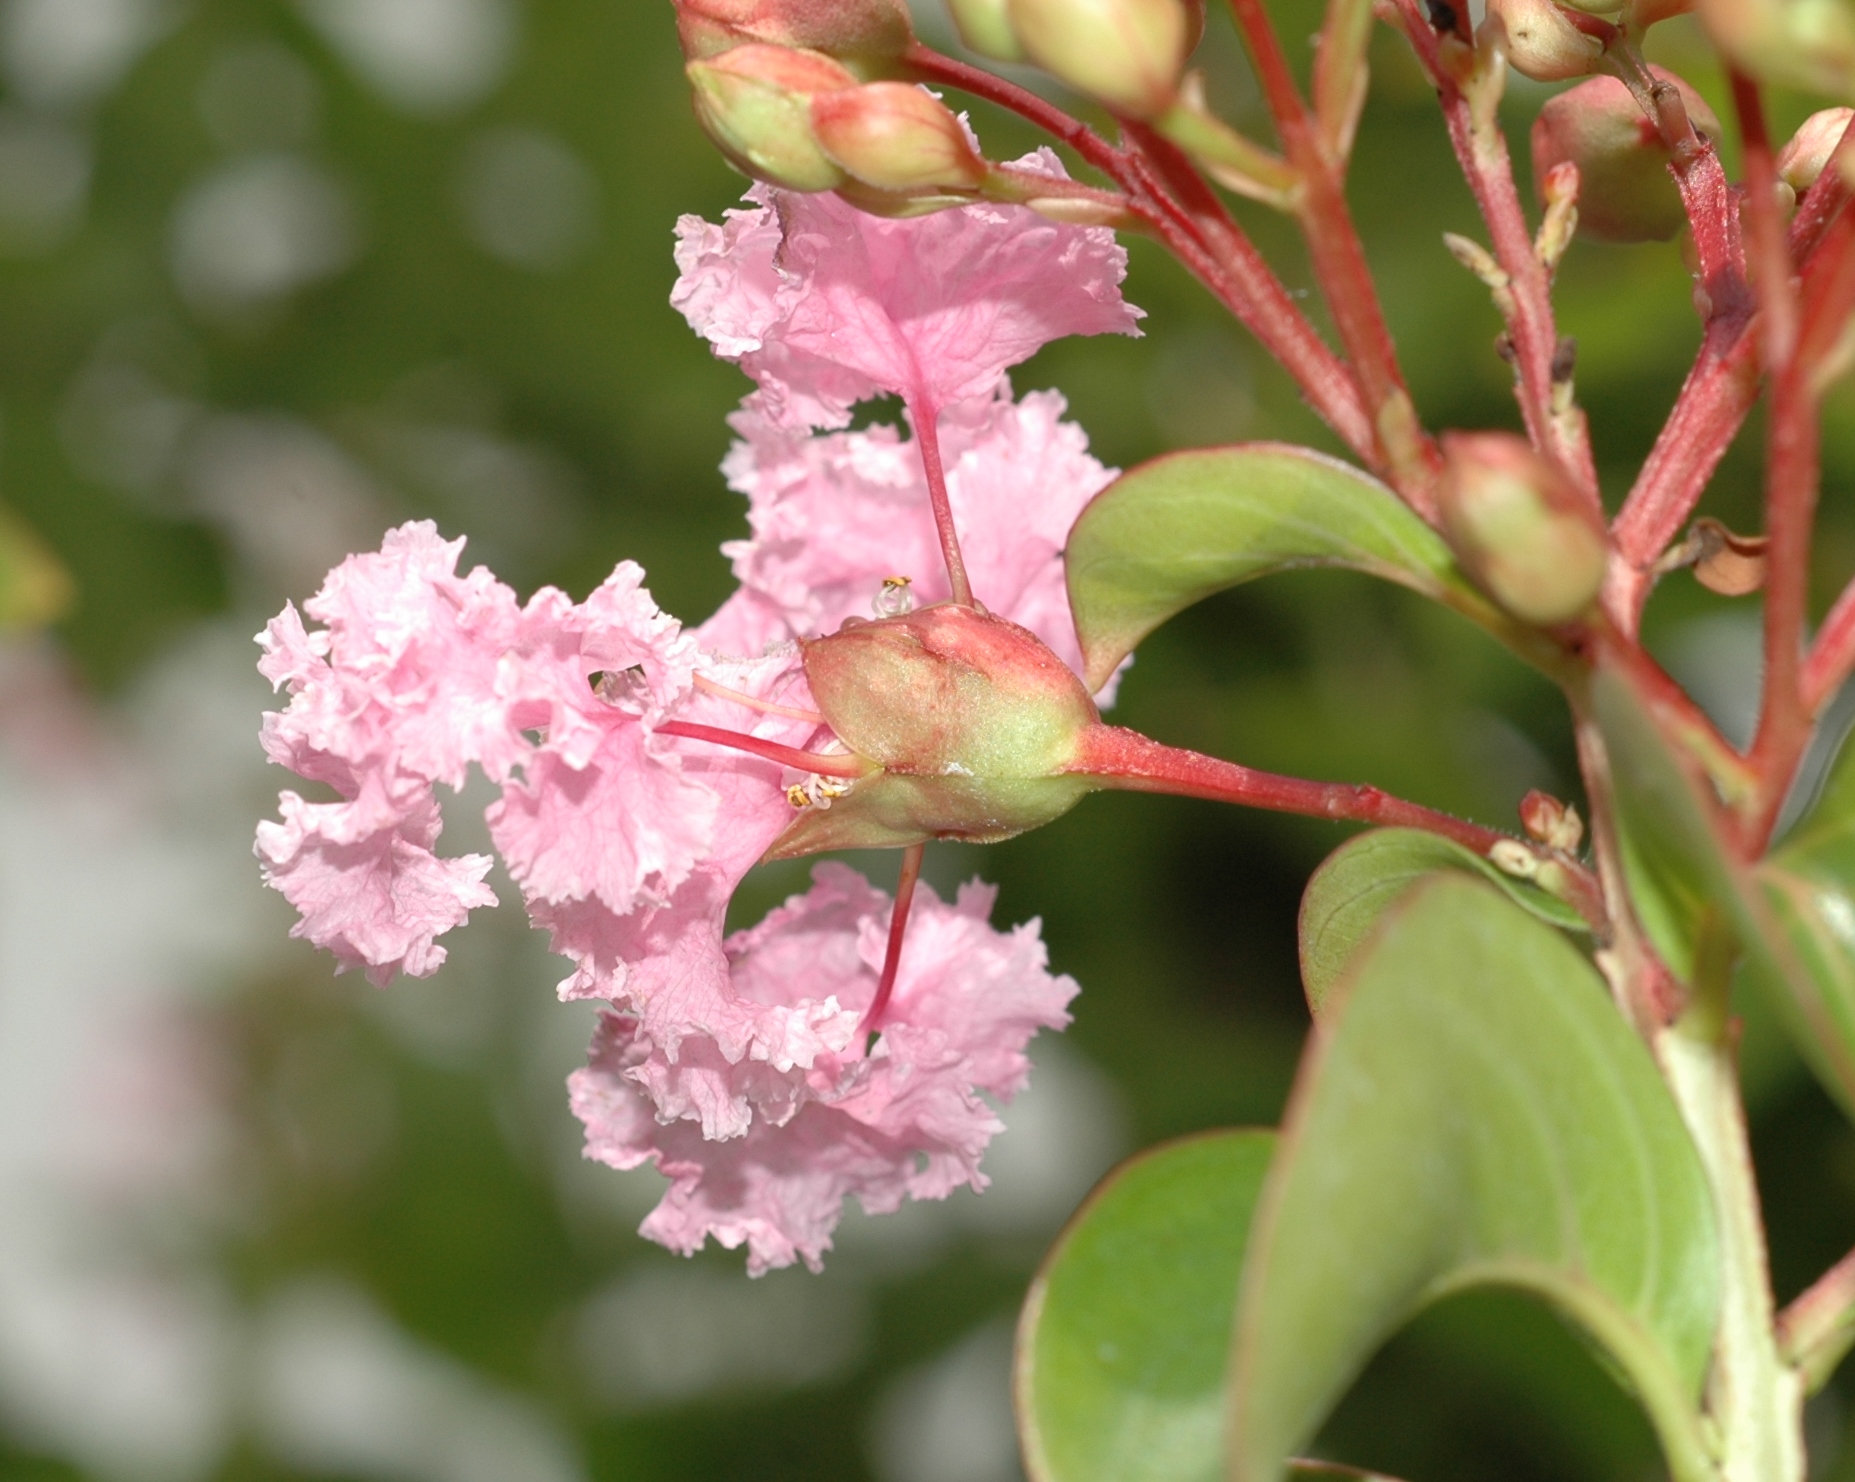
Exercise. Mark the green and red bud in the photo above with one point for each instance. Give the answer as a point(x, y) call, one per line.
point(1804, 158)
point(1129, 54)
point(755, 102)
point(985, 27)
point(894, 136)
point(970, 721)
point(870, 32)
point(1520, 527)
point(1540, 42)
point(1626, 192)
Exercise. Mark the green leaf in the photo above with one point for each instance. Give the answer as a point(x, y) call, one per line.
point(1173, 531)
point(34, 588)
point(1808, 887)
point(1473, 1111)
point(1126, 1330)
point(1366, 876)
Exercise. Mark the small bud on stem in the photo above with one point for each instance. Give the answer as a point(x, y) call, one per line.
point(1539, 41)
point(896, 136)
point(869, 31)
point(1521, 527)
point(755, 103)
point(1129, 54)
point(1804, 158)
point(985, 26)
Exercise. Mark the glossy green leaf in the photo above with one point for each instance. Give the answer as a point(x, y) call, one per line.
point(1173, 531)
point(1808, 887)
point(1366, 876)
point(1473, 1111)
point(34, 588)
point(1125, 1335)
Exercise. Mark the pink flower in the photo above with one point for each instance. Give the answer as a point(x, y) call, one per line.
point(419, 674)
point(907, 1120)
point(825, 306)
point(833, 515)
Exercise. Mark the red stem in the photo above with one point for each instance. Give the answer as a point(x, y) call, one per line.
point(1123, 759)
point(926, 417)
point(898, 925)
point(1770, 250)
point(786, 756)
point(1345, 277)
point(1531, 325)
point(1828, 301)
point(1199, 232)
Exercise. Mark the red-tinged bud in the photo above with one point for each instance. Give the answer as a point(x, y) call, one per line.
point(755, 103)
point(868, 31)
point(1520, 528)
point(970, 719)
point(985, 26)
point(1540, 42)
point(1129, 54)
point(1809, 150)
point(1796, 43)
point(895, 136)
point(1645, 13)
point(1555, 824)
point(1626, 193)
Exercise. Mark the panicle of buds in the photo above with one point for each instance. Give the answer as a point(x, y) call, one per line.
point(864, 31)
point(1796, 43)
point(985, 26)
point(895, 136)
point(1520, 528)
point(1539, 41)
point(1128, 54)
point(1809, 149)
point(755, 103)
point(969, 719)
point(1626, 193)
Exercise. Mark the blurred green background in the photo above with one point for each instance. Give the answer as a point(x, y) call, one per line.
point(275, 276)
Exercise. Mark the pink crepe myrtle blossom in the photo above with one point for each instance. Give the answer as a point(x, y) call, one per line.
point(825, 306)
point(908, 1119)
point(1017, 476)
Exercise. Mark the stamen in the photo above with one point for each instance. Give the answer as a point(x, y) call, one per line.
point(895, 599)
point(843, 765)
point(898, 924)
point(926, 418)
point(766, 707)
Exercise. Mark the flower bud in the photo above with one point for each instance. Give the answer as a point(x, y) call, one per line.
point(1803, 159)
point(844, 29)
point(985, 26)
point(1540, 42)
point(1625, 191)
point(970, 718)
point(1795, 43)
point(1555, 824)
point(755, 103)
point(1520, 528)
point(1127, 53)
point(896, 137)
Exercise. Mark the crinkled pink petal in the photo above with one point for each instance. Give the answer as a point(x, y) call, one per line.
point(833, 515)
point(907, 1121)
point(825, 306)
point(375, 897)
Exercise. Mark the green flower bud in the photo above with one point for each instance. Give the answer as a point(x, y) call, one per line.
point(1520, 527)
point(1803, 159)
point(1625, 191)
point(1795, 43)
point(985, 26)
point(861, 30)
point(755, 103)
point(895, 136)
point(1129, 54)
point(1540, 42)
point(970, 719)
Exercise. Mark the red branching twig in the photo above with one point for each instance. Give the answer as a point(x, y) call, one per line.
point(1481, 151)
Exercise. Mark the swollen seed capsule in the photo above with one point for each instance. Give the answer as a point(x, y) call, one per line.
point(1127, 53)
point(755, 103)
point(1626, 193)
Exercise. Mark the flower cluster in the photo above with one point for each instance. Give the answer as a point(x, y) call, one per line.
point(743, 1067)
